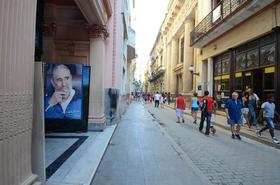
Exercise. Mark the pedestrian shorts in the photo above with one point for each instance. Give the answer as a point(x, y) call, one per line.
point(179, 112)
point(269, 122)
point(245, 111)
point(194, 109)
point(234, 122)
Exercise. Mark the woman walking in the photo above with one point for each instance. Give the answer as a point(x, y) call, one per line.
point(194, 107)
point(245, 109)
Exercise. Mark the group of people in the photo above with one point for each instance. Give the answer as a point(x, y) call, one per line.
point(238, 112)
point(158, 98)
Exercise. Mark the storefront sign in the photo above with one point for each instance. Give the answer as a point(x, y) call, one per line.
point(269, 70)
point(237, 75)
point(224, 77)
point(248, 74)
point(217, 78)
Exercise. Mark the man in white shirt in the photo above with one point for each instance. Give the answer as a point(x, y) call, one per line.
point(157, 99)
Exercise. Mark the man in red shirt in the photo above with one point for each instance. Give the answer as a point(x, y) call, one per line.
point(180, 107)
point(207, 104)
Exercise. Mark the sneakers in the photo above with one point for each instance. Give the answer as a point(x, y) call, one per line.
point(275, 140)
point(178, 122)
point(183, 120)
point(258, 133)
point(232, 136)
point(238, 136)
point(194, 122)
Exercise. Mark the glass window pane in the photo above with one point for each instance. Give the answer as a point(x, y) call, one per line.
point(240, 62)
point(268, 39)
point(269, 81)
point(253, 58)
point(226, 66)
point(217, 85)
point(238, 84)
point(218, 68)
point(225, 85)
point(268, 54)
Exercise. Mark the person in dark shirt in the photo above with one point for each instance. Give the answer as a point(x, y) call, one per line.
point(207, 104)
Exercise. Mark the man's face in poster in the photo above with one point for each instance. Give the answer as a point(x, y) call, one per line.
point(62, 82)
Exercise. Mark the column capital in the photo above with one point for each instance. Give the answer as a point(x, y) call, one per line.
point(49, 29)
point(97, 30)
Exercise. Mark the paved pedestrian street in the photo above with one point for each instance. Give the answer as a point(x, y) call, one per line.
point(150, 148)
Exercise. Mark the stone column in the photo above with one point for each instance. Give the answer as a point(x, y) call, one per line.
point(97, 119)
point(188, 58)
point(210, 76)
point(174, 61)
point(168, 68)
point(17, 46)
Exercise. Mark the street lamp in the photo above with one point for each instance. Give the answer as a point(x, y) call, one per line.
point(191, 69)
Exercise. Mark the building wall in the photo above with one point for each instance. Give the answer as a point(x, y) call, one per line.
point(256, 26)
point(17, 46)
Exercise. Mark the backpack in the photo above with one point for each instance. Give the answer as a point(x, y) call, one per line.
point(207, 104)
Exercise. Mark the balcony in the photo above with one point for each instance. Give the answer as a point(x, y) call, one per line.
point(158, 72)
point(131, 54)
point(225, 16)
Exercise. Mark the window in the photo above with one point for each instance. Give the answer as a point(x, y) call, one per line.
point(226, 66)
point(240, 62)
point(218, 69)
point(182, 42)
point(269, 81)
point(253, 58)
point(267, 54)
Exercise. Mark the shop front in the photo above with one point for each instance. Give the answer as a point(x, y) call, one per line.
point(252, 65)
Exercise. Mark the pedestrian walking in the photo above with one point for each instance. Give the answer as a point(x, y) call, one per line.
point(206, 112)
point(168, 98)
point(194, 107)
point(233, 110)
point(252, 105)
point(245, 109)
point(180, 107)
point(157, 99)
point(268, 111)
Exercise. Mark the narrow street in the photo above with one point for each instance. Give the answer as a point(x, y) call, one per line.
point(150, 148)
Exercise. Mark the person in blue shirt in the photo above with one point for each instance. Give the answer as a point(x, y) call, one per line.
point(65, 102)
point(233, 110)
point(194, 107)
point(268, 111)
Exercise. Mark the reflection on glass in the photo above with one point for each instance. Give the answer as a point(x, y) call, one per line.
point(268, 54)
point(253, 58)
point(225, 66)
point(238, 83)
point(240, 62)
point(218, 68)
point(269, 81)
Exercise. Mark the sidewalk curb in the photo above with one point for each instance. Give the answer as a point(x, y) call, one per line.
point(255, 138)
point(108, 143)
point(181, 153)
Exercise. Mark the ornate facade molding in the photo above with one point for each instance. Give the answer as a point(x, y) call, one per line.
point(97, 30)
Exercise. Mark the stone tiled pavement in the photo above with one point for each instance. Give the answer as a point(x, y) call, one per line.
point(141, 154)
point(222, 159)
point(220, 121)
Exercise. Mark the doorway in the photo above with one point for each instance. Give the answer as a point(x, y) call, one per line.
point(258, 82)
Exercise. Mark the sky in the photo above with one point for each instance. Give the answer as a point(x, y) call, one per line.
point(149, 16)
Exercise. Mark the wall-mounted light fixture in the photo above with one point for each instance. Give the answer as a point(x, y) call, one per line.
point(191, 69)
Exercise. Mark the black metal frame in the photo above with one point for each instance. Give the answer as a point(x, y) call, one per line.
point(228, 7)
